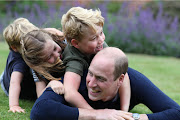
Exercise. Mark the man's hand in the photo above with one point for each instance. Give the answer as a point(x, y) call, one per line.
point(109, 114)
point(56, 86)
point(104, 114)
point(16, 109)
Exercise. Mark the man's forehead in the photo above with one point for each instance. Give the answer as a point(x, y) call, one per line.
point(101, 65)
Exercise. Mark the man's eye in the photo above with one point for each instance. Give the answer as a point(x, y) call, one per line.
point(100, 79)
point(90, 74)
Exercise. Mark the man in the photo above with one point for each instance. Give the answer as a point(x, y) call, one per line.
point(105, 76)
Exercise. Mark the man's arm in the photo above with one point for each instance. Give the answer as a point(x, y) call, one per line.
point(14, 92)
point(57, 109)
point(144, 91)
point(71, 84)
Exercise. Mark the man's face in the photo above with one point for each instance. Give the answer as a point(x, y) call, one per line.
point(100, 79)
point(92, 42)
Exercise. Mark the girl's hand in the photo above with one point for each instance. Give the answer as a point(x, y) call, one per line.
point(56, 86)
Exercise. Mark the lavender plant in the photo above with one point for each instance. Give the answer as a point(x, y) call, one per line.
point(142, 32)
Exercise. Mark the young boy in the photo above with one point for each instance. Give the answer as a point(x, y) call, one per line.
point(83, 30)
point(17, 80)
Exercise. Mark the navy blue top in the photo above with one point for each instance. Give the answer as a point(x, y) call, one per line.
point(53, 106)
point(15, 62)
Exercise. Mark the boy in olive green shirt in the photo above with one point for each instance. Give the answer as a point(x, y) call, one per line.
point(83, 30)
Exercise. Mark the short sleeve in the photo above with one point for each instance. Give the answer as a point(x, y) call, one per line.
point(75, 66)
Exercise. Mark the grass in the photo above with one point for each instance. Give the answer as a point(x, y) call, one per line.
point(162, 71)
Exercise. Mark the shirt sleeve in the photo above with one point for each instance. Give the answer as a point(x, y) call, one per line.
point(75, 66)
point(35, 77)
point(55, 105)
point(20, 66)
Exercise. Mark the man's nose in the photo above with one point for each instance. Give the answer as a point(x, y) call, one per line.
point(92, 82)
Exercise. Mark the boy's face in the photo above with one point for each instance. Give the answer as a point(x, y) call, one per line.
point(92, 42)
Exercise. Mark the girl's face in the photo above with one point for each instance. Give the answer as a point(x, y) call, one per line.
point(92, 42)
point(52, 51)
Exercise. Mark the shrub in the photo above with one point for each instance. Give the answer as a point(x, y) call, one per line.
point(144, 32)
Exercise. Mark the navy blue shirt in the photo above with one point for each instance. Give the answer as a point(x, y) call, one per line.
point(15, 62)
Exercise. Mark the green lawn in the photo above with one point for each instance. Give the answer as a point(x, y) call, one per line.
point(162, 71)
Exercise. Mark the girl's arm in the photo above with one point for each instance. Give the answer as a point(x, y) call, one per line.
point(40, 87)
point(14, 92)
point(71, 84)
point(125, 93)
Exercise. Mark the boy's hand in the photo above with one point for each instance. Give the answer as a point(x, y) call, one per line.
point(16, 109)
point(56, 86)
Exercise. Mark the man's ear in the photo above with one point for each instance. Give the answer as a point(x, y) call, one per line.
point(121, 79)
point(74, 43)
point(14, 48)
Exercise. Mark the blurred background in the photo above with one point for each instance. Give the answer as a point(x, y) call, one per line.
point(146, 26)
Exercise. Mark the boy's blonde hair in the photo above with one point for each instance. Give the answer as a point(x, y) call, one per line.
point(13, 32)
point(33, 44)
point(77, 19)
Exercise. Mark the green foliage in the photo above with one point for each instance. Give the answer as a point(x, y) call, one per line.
point(148, 31)
point(18, 6)
point(170, 8)
point(114, 6)
point(4, 50)
point(143, 32)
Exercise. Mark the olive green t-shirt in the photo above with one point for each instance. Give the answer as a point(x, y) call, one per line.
point(76, 61)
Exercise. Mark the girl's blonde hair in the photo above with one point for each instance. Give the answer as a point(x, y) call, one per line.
point(13, 32)
point(77, 19)
point(33, 44)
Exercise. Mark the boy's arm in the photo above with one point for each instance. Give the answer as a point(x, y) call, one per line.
point(54, 31)
point(125, 93)
point(56, 86)
point(71, 84)
point(14, 92)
